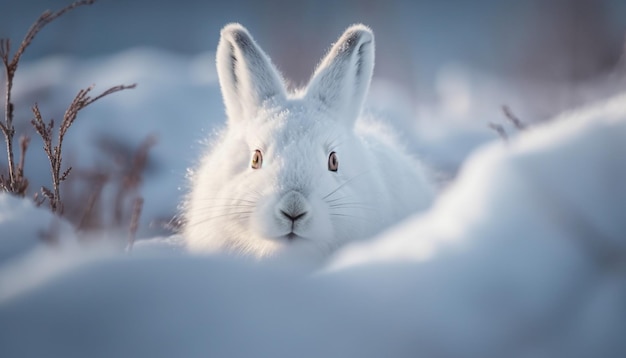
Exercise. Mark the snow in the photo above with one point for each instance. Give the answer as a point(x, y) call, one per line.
point(522, 255)
point(569, 172)
point(177, 100)
point(25, 226)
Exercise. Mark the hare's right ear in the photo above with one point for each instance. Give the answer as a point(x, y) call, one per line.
point(341, 81)
point(248, 78)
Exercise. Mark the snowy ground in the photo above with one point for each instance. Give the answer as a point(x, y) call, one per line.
point(523, 254)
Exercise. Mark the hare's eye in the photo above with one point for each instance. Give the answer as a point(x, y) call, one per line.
point(257, 160)
point(333, 162)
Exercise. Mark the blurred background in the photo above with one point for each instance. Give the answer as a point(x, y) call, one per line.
point(444, 70)
point(569, 41)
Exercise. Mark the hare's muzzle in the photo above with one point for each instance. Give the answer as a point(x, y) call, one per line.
point(293, 206)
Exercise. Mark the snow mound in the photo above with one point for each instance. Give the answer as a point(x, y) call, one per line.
point(24, 226)
point(565, 177)
point(522, 256)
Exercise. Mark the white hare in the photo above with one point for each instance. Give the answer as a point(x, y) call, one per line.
point(290, 175)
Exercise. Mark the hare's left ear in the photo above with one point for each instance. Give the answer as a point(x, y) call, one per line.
point(247, 76)
point(341, 81)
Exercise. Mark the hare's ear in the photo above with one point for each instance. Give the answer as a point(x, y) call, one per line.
point(341, 80)
point(248, 78)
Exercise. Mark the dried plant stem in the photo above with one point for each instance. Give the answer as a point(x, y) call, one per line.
point(54, 152)
point(24, 142)
point(134, 221)
point(7, 127)
point(16, 183)
point(99, 181)
point(517, 123)
point(132, 177)
point(498, 128)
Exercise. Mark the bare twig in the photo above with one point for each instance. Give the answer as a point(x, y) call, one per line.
point(134, 221)
point(132, 177)
point(7, 128)
point(66, 173)
point(21, 183)
point(517, 123)
point(13, 183)
point(500, 130)
point(46, 194)
point(43, 20)
point(99, 181)
point(54, 151)
point(39, 199)
point(24, 142)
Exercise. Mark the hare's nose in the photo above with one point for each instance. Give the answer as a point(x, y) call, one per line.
point(293, 206)
point(293, 216)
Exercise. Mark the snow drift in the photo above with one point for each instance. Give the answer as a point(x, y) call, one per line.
point(522, 256)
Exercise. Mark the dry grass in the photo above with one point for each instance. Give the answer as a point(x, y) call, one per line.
point(54, 150)
point(511, 117)
point(105, 196)
point(15, 182)
point(12, 179)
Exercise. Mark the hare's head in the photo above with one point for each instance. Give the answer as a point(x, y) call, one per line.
point(289, 172)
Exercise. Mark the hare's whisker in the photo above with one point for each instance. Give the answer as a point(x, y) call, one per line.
point(349, 216)
point(344, 183)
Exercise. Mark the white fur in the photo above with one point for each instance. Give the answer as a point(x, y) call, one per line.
point(234, 208)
